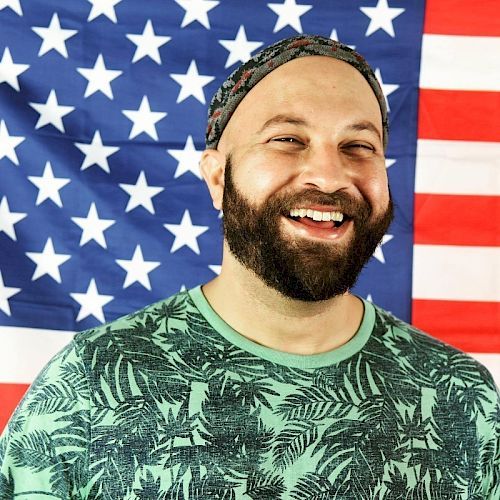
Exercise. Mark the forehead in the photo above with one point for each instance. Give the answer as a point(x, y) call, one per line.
point(316, 85)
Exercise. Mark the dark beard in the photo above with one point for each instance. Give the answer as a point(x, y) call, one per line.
point(298, 269)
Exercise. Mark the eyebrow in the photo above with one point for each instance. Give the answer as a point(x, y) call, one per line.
point(278, 119)
point(294, 120)
point(365, 125)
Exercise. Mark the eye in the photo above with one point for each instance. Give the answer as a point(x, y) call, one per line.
point(291, 140)
point(359, 149)
point(361, 146)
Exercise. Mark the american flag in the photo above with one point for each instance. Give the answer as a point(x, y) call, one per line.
point(102, 116)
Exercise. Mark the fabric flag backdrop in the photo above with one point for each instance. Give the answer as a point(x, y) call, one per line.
point(102, 116)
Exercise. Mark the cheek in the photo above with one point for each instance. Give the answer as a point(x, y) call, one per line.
point(262, 177)
point(375, 188)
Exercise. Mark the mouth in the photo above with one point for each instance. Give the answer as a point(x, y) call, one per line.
point(319, 222)
point(324, 219)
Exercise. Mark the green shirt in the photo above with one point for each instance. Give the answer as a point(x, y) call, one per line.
point(171, 403)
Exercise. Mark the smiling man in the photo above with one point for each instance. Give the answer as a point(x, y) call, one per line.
point(272, 381)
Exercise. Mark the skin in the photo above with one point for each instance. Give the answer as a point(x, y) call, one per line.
point(313, 123)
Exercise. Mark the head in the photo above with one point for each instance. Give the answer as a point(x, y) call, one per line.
point(305, 141)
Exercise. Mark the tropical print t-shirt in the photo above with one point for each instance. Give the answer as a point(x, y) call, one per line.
point(171, 403)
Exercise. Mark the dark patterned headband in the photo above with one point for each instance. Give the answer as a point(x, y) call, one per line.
point(244, 78)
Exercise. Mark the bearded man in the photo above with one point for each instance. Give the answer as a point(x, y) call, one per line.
point(272, 381)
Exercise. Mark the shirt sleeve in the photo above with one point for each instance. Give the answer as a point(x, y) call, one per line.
point(492, 446)
point(44, 448)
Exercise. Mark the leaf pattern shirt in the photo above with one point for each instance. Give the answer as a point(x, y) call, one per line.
point(171, 403)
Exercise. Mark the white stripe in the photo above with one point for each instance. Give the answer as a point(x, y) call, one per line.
point(492, 362)
point(460, 62)
point(25, 351)
point(458, 167)
point(446, 272)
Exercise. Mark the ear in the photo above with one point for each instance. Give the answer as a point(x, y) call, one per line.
point(212, 166)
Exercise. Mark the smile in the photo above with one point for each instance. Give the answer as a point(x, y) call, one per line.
point(322, 224)
point(318, 215)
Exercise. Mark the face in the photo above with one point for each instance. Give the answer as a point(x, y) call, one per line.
point(302, 269)
point(305, 199)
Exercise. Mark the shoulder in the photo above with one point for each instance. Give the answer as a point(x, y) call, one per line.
point(140, 328)
point(419, 353)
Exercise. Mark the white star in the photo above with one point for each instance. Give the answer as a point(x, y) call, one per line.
point(188, 159)
point(15, 5)
point(240, 49)
point(191, 83)
point(197, 10)
point(8, 219)
point(289, 14)
point(381, 17)
point(93, 227)
point(48, 185)
point(369, 297)
point(137, 269)
point(144, 119)
point(47, 262)
point(335, 36)
point(96, 153)
point(215, 268)
point(141, 194)
point(148, 43)
point(9, 70)
point(379, 253)
point(53, 37)
point(103, 7)
point(8, 143)
point(51, 112)
point(99, 78)
point(6, 292)
point(185, 233)
point(387, 88)
point(389, 162)
point(91, 302)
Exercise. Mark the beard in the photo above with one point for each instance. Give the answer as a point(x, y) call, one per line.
point(300, 269)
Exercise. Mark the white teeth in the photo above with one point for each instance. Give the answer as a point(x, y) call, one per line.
point(317, 215)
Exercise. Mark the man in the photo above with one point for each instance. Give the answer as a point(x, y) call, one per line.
point(272, 381)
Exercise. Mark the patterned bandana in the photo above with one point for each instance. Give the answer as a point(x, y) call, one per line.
point(244, 78)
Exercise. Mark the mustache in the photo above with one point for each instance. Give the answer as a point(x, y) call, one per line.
point(344, 202)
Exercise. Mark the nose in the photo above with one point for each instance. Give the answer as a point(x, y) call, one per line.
point(326, 170)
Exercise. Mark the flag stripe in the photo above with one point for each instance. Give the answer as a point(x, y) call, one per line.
point(470, 326)
point(461, 17)
point(11, 394)
point(25, 351)
point(457, 220)
point(460, 62)
point(459, 115)
point(456, 289)
point(457, 167)
point(446, 272)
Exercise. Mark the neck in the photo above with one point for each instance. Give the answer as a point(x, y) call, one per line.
point(263, 315)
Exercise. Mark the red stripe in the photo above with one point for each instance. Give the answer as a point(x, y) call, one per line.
point(457, 220)
point(459, 115)
point(10, 395)
point(470, 326)
point(462, 17)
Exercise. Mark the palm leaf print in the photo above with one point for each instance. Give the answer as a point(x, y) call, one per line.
point(313, 487)
point(292, 442)
point(33, 451)
point(263, 486)
point(312, 404)
point(6, 485)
